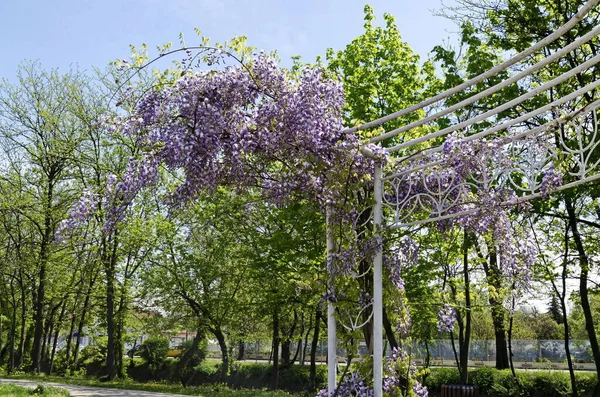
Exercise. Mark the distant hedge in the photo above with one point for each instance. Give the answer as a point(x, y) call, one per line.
point(496, 383)
point(244, 375)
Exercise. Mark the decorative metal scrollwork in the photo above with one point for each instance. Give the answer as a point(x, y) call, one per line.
point(466, 175)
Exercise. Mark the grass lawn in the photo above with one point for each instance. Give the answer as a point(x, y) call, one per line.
point(205, 390)
point(18, 391)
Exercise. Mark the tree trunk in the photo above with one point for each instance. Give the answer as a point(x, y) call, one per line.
point(464, 337)
point(56, 335)
point(70, 338)
point(389, 331)
point(276, 341)
point(28, 340)
point(119, 346)
point(494, 279)
point(567, 348)
point(183, 368)
point(84, 310)
point(366, 282)
point(224, 352)
point(286, 345)
point(298, 350)
point(36, 353)
point(510, 351)
point(121, 314)
point(312, 378)
point(13, 332)
point(241, 350)
point(583, 291)
point(110, 325)
point(109, 267)
point(48, 329)
point(305, 347)
point(563, 312)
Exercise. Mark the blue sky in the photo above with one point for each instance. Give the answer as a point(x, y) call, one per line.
point(91, 33)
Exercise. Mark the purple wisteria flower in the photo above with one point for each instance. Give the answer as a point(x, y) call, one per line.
point(446, 319)
point(78, 214)
point(551, 179)
point(405, 254)
point(420, 390)
point(379, 154)
point(243, 126)
point(404, 321)
point(352, 386)
point(400, 373)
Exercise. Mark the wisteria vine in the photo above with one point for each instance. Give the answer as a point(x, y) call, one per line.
point(257, 125)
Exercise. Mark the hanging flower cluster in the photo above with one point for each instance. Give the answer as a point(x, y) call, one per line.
point(254, 125)
point(242, 127)
point(352, 386)
point(446, 319)
point(401, 374)
point(84, 207)
point(474, 181)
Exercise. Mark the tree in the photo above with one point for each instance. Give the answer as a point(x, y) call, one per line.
point(381, 74)
point(513, 26)
point(555, 310)
point(41, 131)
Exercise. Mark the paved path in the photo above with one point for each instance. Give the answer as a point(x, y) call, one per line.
point(87, 391)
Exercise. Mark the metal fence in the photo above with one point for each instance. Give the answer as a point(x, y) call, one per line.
point(523, 351)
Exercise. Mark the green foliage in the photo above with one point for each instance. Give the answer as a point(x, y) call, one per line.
point(441, 376)
point(483, 378)
point(40, 390)
point(381, 74)
point(93, 356)
point(292, 378)
point(154, 351)
point(213, 390)
point(198, 355)
point(495, 383)
point(529, 324)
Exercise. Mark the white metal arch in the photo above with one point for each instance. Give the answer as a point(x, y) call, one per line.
point(534, 148)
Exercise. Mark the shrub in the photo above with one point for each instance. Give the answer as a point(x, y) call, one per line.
point(441, 376)
point(93, 357)
point(154, 351)
point(293, 378)
point(483, 378)
point(495, 383)
point(198, 356)
point(40, 390)
point(506, 385)
point(185, 369)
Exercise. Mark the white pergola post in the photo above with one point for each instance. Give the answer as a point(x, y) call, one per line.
point(331, 325)
point(377, 288)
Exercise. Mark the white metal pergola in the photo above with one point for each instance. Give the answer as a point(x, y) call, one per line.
point(532, 152)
